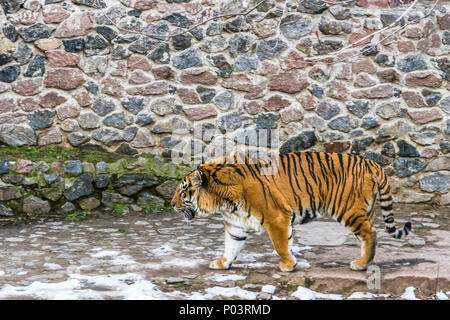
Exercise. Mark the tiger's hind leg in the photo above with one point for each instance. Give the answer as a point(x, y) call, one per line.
point(234, 242)
point(360, 223)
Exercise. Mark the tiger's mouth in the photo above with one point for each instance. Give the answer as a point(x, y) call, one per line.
point(188, 213)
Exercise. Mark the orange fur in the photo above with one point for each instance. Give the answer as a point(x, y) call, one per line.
point(291, 188)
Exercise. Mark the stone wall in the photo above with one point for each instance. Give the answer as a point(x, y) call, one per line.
point(103, 75)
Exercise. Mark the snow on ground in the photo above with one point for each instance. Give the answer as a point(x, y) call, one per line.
point(409, 294)
point(366, 295)
point(303, 293)
point(442, 296)
point(221, 277)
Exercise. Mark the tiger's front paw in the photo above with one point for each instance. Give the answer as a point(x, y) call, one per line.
point(358, 265)
point(219, 264)
point(287, 266)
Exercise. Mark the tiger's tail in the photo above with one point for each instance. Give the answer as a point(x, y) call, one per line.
point(385, 195)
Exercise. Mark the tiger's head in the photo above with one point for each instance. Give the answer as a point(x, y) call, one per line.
point(203, 191)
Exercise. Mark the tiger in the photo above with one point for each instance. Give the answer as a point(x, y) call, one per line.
point(274, 193)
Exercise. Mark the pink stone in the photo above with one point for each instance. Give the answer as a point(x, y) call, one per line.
point(48, 44)
point(345, 73)
point(163, 73)
point(357, 36)
point(364, 80)
point(120, 69)
point(268, 68)
point(201, 76)
point(425, 116)
point(388, 75)
point(139, 77)
point(57, 166)
point(143, 139)
point(291, 115)
point(276, 103)
point(167, 7)
point(425, 79)
point(50, 136)
point(429, 153)
point(145, 4)
point(445, 199)
point(413, 99)
point(337, 146)
point(139, 62)
point(112, 87)
point(379, 91)
point(25, 17)
point(78, 24)
point(238, 81)
point(428, 28)
point(24, 166)
point(188, 96)
point(413, 32)
point(3, 87)
point(405, 46)
point(83, 97)
point(28, 87)
point(424, 45)
point(256, 91)
point(14, 118)
point(337, 90)
point(444, 21)
point(67, 111)
point(59, 58)
point(155, 87)
point(64, 78)
point(7, 104)
point(252, 107)
point(192, 8)
point(292, 60)
point(195, 113)
point(289, 82)
point(54, 13)
point(364, 65)
point(307, 101)
point(51, 99)
point(28, 104)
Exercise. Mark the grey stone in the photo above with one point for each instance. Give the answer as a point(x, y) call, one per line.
point(188, 59)
point(17, 135)
point(36, 67)
point(95, 41)
point(116, 120)
point(340, 12)
point(35, 32)
point(369, 122)
point(412, 62)
point(344, 124)
point(78, 138)
point(10, 192)
point(370, 50)
point(130, 133)
point(68, 207)
point(74, 45)
point(9, 73)
point(206, 94)
point(405, 167)
point(102, 106)
point(125, 148)
point(73, 167)
point(328, 109)
point(236, 25)
point(159, 30)
point(144, 119)
point(295, 26)
point(205, 131)
point(240, 43)
point(141, 45)
point(89, 120)
point(316, 90)
point(108, 136)
point(229, 121)
point(406, 149)
point(361, 144)
point(266, 120)
point(438, 181)
point(247, 62)
point(6, 211)
point(214, 44)
point(267, 49)
point(388, 150)
point(388, 110)
point(298, 143)
point(388, 17)
point(423, 138)
point(385, 60)
point(5, 57)
point(256, 137)
point(41, 119)
point(378, 158)
point(134, 104)
point(225, 100)
point(4, 166)
point(82, 186)
point(445, 104)
point(51, 178)
point(111, 198)
point(174, 124)
point(393, 130)
point(119, 52)
point(358, 107)
point(102, 180)
point(333, 27)
point(181, 41)
point(444, 65)
point(446, 126)
point(327, 46)
point(312, 6)
point(101, 167)
point(331, 136)
point(224, 68)
point(214, 28)
point(131, 183)
point(146, 198)
point(107, 32)
point(35, 205)
point(92, 87)
point(10, 32)
point(178, 19)
point(159, 52)
point(95, 67)
point(431, 97)
point(163, 107)
point(446, 38)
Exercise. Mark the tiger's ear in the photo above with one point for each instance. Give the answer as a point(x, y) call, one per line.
point(200, 179)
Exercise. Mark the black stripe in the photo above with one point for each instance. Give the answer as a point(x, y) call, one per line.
point(236, 237)
point(387, 208)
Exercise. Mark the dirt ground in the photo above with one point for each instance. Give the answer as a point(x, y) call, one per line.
point(160, 256)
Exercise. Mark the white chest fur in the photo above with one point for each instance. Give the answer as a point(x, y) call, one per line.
point(241, 219)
